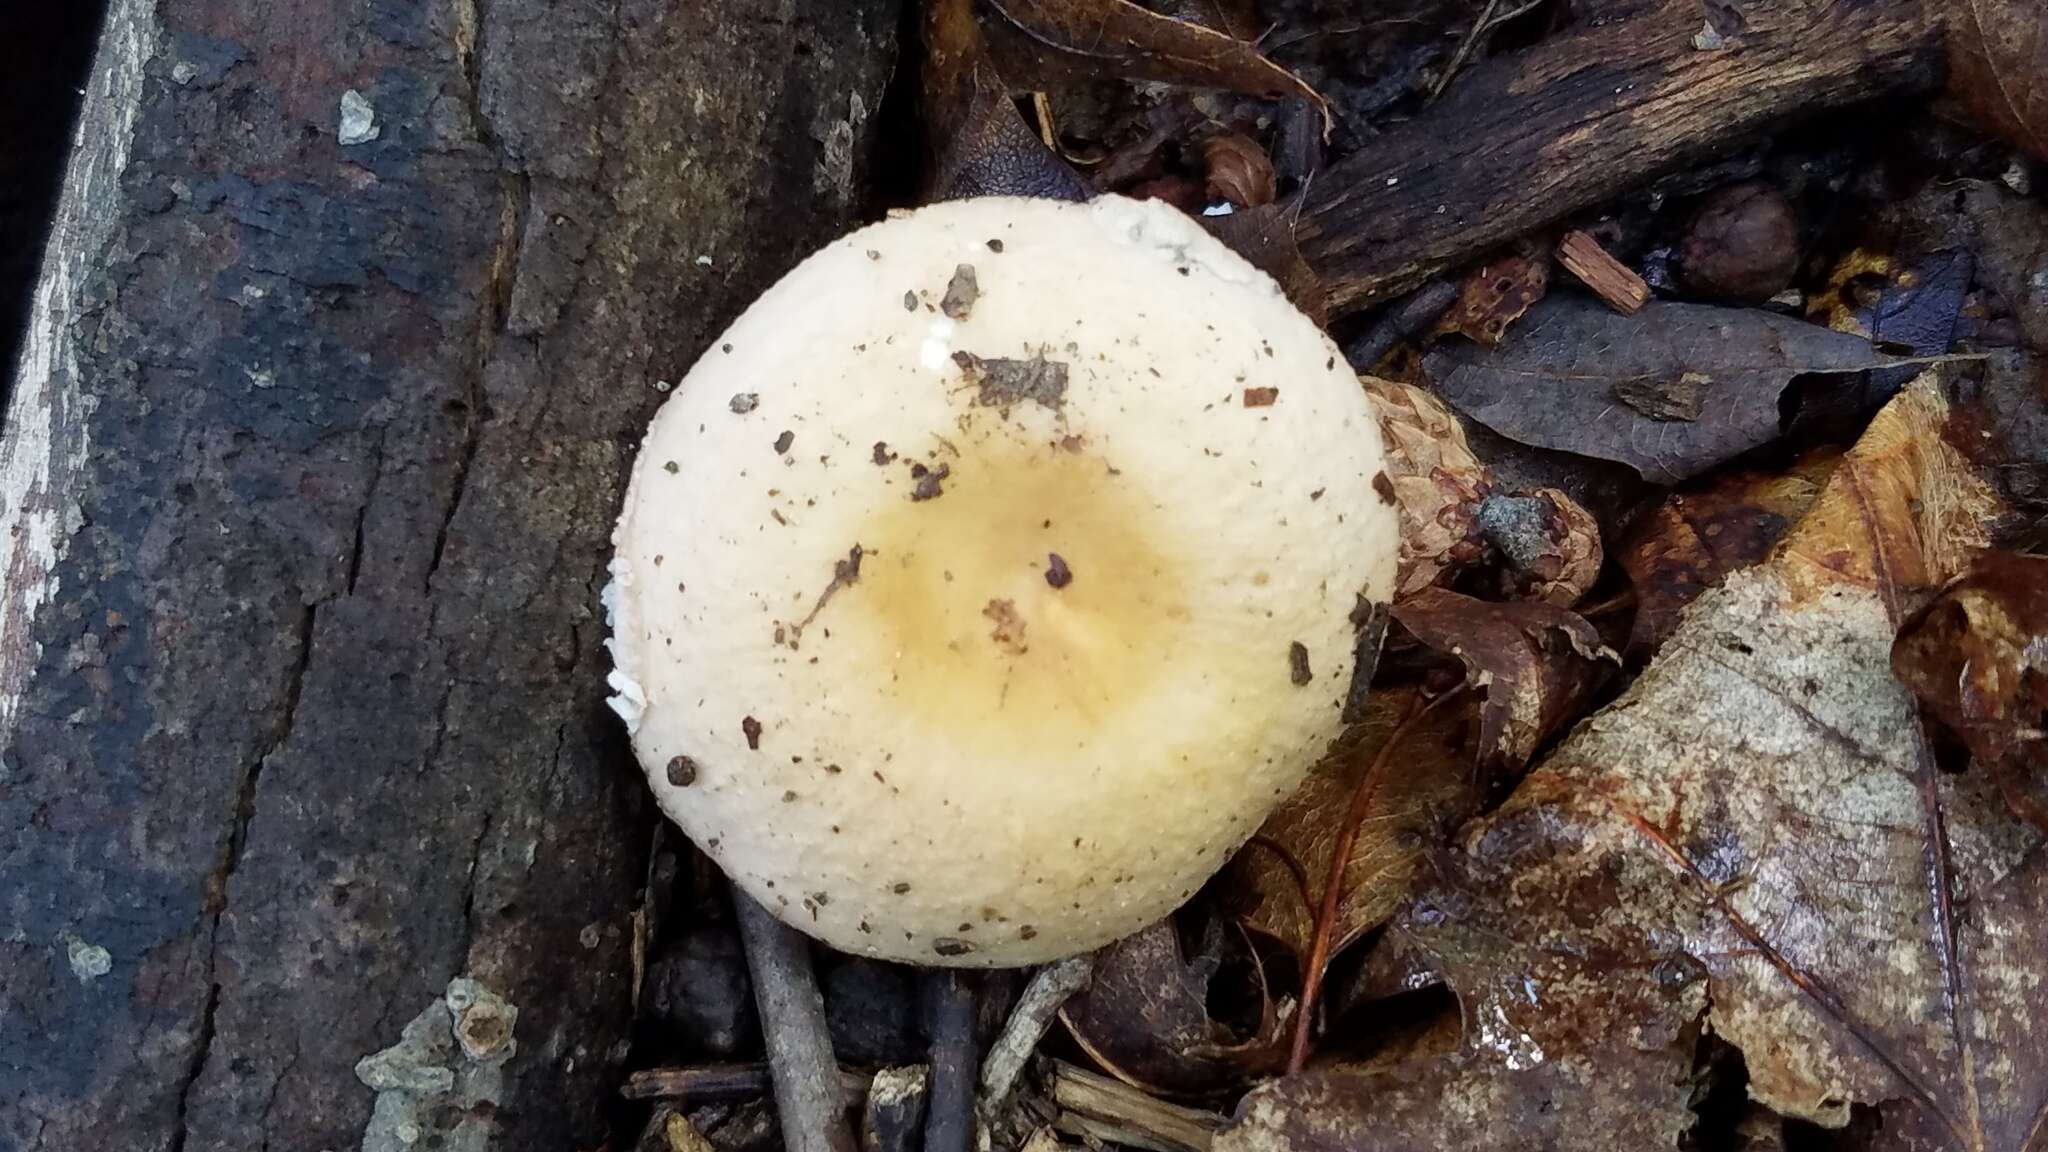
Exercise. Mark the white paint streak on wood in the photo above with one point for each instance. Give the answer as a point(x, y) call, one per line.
point(43, 446)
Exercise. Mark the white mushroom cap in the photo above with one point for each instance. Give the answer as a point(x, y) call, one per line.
point(984, 586)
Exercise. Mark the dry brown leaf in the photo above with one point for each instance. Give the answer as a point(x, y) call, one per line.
point(1702, 532)
point(1275, 883)
point(980, 145)
point(1495, 295)
point(1145, 1016)
point(1531, 667)
point(1435, 480)
point(1998, 64)
point(1670, 391)
point(1977, 657)
point(1534, 664)
point(1120, 38)
point(1760, 810)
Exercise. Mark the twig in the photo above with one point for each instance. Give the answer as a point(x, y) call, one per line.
point(949, 1108)
point(1515, 13)
point(1051, 987)
point(1333, 887)
point(1103, 1109)
point(1479, 28)
point(721, 1084)
point(803, 1072)
point(1403, 321)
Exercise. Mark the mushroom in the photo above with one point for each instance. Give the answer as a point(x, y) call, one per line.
point(983, 587)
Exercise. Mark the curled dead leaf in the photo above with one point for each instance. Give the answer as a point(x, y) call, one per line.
point(1533, 664)
point(1145, 1016)
point(1276, 883)
point(1552, 544)
point(1238, 170)
point(1977, 657)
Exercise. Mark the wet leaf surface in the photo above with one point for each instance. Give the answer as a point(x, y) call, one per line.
point(1757, 831)
point(1704, 531)
point(1670, 391)
point(1977, 657)
point(1998, 60)
point(1578, 1020)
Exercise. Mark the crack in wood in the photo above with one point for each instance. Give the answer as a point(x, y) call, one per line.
point(231, 858)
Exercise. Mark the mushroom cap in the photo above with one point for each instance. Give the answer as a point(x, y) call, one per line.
point(989, 580)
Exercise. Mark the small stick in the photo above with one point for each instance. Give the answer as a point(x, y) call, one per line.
point(1610, 279)
point(1050, 988)
point(1403, 321)
point(949, 1107)
point(721, 1084)
point(1479, 28)
point(804, 1074)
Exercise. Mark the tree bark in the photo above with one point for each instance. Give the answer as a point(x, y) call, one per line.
point(1525, 140)
point(354, 314)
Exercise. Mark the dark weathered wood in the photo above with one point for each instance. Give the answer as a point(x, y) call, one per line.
point(724, 1083)
point(950, 1011)
point(304, 502)
point(1524, 140)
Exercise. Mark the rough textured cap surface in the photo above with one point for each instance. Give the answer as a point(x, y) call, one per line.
point(981, 589)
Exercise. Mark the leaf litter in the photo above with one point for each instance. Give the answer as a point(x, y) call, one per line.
point(1754, 840)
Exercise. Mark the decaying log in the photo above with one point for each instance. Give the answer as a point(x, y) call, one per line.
point(1526, 139)
point(355, 312)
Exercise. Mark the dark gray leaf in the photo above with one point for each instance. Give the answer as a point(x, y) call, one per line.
point(1671, 391)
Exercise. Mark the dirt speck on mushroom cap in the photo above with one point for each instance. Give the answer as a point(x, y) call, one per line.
point(1137, 706)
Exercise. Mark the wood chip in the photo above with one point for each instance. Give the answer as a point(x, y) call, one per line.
point(1098, 1107)
point(1610, 279)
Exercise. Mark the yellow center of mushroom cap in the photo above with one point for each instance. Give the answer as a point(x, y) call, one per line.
point(982, 644)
